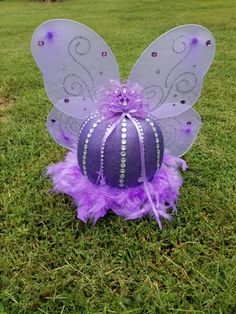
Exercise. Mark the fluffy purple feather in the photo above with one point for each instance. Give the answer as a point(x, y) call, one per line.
point(93, 201)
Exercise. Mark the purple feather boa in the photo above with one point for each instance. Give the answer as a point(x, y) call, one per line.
point(93, 201)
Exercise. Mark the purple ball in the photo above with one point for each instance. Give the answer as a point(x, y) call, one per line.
point(117, 162)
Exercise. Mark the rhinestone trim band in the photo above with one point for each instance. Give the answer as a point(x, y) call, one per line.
point(142, 138)
point(102, 153)
point(123, 153)
point(85, 150)
point(150, 122)
point(93, 116)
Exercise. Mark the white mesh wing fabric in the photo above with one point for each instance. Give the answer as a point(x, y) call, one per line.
point(180, 132)
point(73, 59)
point(77, 107)
point(75, 62)
point(172, 68)
point(64, 129)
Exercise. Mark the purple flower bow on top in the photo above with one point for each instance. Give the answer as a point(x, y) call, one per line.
point(120, 98)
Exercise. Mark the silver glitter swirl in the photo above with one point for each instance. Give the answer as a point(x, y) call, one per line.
point(80, 45)
point(179, 46)
point(154, 93)
point(78, 48)
point(73, 85)
point(184, 83)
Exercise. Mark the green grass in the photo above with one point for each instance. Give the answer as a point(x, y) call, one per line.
point(51, 262)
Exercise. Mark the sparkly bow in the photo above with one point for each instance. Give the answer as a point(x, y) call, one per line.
point(120, 98)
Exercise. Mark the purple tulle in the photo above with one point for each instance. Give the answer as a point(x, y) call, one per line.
point(117, 98)
point(94, 201)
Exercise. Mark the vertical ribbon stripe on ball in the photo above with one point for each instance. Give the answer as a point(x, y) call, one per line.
point(105, 137)
point(144, 175)
point(157, 212)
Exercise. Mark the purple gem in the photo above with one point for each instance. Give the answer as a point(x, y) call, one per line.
point(154, 54)
point(53, 120)
point(104, 53)
point(194, 41)
point(66, 138)
point(187, 130)
point(182, 101)
point(66, 100)
point(189, 123)
point(40, 43)
point(208, 43)
point(49, 35)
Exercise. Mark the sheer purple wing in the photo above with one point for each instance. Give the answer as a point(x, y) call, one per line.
point(64, 129)
point(180, 132)
point(74, 62)
point(73, 59)
point(76, 107)
point(172, 68)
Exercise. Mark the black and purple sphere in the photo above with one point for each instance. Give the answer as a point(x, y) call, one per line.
point(117, 161)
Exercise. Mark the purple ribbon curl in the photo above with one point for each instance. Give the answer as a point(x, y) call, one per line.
point(119, 98)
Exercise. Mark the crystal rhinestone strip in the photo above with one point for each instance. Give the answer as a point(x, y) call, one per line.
point(85, 150)
point(123, 152)
point(102, 153)
point(89, 118)
point(142, 138)
point(150, 122)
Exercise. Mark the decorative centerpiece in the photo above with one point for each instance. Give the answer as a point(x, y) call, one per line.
point(125, 139)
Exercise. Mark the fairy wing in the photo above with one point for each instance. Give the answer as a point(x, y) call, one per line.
point(63, 128)
point(75, 62)
point(172, 68)
point(73, 59)
point(180, 132)
point(171, 71)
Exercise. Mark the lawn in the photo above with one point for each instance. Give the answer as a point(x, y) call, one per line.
point(53, 263)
